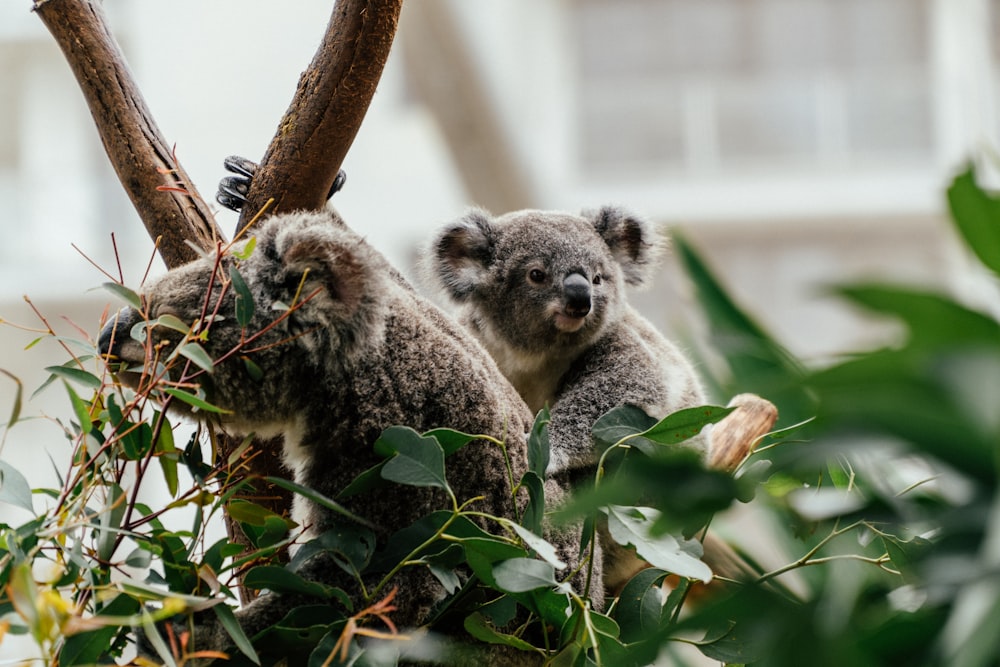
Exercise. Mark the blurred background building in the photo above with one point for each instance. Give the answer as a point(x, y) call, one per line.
point(798, 143)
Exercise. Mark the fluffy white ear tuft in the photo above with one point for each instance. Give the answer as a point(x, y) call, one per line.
point(633, 241)
point(462, 254)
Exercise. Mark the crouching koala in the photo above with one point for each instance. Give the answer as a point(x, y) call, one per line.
point(352, 351)
point(545, 294)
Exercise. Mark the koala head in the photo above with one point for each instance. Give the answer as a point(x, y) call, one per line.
point(288, 307)
point(543, 280)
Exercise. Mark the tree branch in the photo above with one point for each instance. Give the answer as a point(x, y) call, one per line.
point(333, 95)
point(160, 190)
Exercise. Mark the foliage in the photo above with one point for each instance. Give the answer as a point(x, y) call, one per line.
point(886, 503)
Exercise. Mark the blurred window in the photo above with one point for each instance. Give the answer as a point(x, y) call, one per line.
point(726, 84)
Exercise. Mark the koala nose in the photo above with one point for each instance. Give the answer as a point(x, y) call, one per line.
point(577, 291)
point(116, 331)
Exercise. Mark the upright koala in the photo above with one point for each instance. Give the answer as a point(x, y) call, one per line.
point(359, 352)
point(545, 294)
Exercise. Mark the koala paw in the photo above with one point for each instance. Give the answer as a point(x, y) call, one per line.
point(233, 189)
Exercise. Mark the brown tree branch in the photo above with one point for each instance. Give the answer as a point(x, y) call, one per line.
point(734, 438)
point(160, 190)
point(333, 95)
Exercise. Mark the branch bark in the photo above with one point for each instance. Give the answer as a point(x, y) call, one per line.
point(299, 167)
point(160, 190)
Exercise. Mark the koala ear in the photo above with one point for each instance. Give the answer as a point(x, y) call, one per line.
point(463, 252)
point(634, 243)
point(332, 265)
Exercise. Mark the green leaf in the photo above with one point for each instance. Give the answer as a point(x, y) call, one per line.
point(933, 319)
point(519, 575)
point(76, 375)
point(757, 362)
point(620, 423)
point(110, 520)
point(317, 498)
point(977, 216)
point(442, 565)
point(366, 481)
point(244, 251)
point(228, 621)
point(349, 546)
point(244, 298)
point(87, 648)
point(543, 549)
point(255, 372)
point(14, 488)
point(281, 580)
point(125, 294)
point(538, 444)
point(633, 526)
point(685, 424)
point(245, 511)
point(167, 454)
point(640, 605)
point(15, 412)
point(194, 401)
point(450, 440)
point(480, 628)
point(534, 511)
point(419, 461)
point(171, 322)
point(81, 409)
point(197, 354)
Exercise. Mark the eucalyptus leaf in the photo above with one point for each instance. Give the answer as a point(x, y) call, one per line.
point(197, 354)
point(538, 444)
point(14, 488)
point(419, 461)
point(480, 628)
point(519, 575)
point(317, 498)
point(976, 214)
point(640, 604)
point(125, 294)
point(244, 298)
point(542, 548)
point(232, 627)
point(281, 580)
point(450, 440)
point(632, 526)
point(15, 412)
point(194, 401)
point(685, 424)
point(78, 375)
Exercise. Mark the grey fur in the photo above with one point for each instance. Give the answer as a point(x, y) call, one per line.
point(583, 367)
point(365, 352)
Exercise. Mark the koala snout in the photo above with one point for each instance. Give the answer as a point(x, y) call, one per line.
point(117, 333)
point(576, 289)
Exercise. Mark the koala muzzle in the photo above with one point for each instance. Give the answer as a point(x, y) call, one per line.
point(576, 289)
point(116, 334)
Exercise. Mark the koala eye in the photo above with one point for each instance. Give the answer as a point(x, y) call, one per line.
point(536, 276)
point(597, 279)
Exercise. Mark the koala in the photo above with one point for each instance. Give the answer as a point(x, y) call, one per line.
point(357, 352)
point(544, 292)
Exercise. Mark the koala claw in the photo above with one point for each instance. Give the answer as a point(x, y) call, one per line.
point(233, 192)
point(233, 189)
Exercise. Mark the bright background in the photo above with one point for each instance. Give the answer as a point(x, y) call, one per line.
point(798, 142)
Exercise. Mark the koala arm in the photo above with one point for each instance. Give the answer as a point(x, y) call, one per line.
point(630, 365)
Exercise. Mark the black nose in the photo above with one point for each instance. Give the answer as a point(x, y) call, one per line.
point(116, 331)
point(576, 288)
